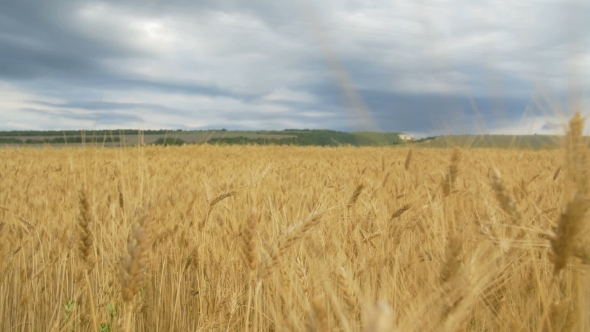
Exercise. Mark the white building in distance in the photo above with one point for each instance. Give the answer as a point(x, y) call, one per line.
point(405, 137)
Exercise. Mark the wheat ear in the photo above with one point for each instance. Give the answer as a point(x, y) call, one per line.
point(452, 262)
point(121, 197)
point(85, 227)
point(133, 262)
point(288, 241)
point(212, 205)
point(348, 292)
point(355, 195)
point(250, 249)
point(451, 176)
point(250, 245)
point(576, 155)
point(321, 316)
point(567, 239)
point(506, 201)
point(452, 281)
point(400, 211)
point(408, 160)
point(563, 239)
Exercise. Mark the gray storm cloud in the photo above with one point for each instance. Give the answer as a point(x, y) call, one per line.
point(419, 67)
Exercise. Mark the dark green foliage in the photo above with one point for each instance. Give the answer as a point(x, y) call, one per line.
point(74, 139)
point(307, 137)
point(10, 141)
point(429, 138)
point(100, 133)
point(301, 137)
point(169, 141)
point(37, 141)
point(241, 140)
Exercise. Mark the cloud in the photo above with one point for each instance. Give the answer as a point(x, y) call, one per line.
point(421, 67)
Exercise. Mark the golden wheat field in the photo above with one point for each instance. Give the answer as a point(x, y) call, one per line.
point(234, 238)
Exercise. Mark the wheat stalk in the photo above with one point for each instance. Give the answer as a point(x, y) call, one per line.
point(566, 239)
point(564, 236)
point(288, 241)
point(121, 197)
point(452, 261)
point(506, 201)
point(303, 276)
point(400, 211)
point(321, 316)
point(212, 204)
point(250, 252)
point(355, 195)
point(85, 245)
point(452, 279)
point(453, 172)
point(250, 243)
point(408, 160)
point(133, 262)
point(348, 292)
point(576, 155)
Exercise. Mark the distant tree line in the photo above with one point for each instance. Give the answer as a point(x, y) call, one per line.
point(429, 138)
point(169, 141)
point(304, 137)
point(11, 141)
point(301, 137)
point(60, 140)
point(114, 132)
point(310, 138)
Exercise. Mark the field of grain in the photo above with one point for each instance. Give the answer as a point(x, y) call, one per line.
point(252, 238)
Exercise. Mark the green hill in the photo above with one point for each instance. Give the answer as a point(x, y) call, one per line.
point(535, 142)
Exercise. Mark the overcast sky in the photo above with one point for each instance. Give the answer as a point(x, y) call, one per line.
point(416, 66)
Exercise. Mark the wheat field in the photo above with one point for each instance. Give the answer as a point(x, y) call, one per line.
point(234, 238)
